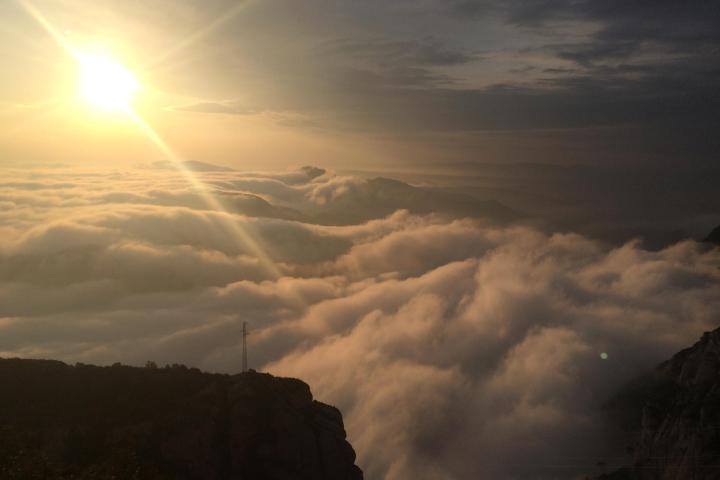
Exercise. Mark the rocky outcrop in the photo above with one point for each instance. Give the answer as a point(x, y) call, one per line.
point(714, 236)
point(86, 422)
point(676, 414)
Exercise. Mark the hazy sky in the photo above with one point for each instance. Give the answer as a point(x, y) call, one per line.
point(374, 83)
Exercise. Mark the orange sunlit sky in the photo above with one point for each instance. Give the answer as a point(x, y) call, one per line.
point(379, 85)
point(45, 101)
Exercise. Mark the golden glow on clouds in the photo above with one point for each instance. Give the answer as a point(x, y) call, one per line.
point(104, 83)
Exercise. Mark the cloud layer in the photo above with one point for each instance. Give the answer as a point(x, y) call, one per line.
point(456, 349)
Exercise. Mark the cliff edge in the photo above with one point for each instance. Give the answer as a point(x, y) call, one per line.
point(86, 422)
point(675, 414)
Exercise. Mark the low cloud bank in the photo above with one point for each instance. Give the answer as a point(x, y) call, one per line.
point(456, 349)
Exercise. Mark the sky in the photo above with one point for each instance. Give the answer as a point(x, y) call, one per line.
point(465, 223)
point(377, 84)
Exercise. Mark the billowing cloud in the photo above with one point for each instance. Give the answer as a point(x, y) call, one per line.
point(491, 366)
point(456, 347)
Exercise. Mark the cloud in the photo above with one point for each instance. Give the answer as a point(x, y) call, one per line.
point(232, 108)
point(463, 67)
point(399, 69)
point(386, 52)
point(491, 366)
point(455, 347)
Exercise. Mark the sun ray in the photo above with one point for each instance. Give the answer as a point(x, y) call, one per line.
point(199, 34)
point(244, 238)
point(56, 34)
point(237, 232)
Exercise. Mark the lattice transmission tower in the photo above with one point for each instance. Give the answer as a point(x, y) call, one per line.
point(244, 346)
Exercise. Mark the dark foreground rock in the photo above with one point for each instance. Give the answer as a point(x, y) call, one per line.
point(714, 236)
point(86, 422)
point(675, 412)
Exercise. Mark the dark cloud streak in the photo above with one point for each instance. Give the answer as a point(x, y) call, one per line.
point(565, 65)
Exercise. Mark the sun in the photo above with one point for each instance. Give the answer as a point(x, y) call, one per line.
point(105, 83)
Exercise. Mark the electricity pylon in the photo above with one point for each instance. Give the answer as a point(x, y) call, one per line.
point(244, 357)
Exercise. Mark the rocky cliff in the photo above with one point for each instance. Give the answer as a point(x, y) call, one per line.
point(714, 236)
point(86, 422)
point(675, 412)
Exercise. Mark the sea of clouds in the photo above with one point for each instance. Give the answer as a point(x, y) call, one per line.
point(456, 348)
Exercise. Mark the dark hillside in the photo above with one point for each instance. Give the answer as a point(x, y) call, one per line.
point(86, 422)
point(714, 236)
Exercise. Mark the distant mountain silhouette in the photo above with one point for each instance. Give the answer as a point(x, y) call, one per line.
point(174, 423)
point(312, 172)
point(366, 200)
point(675, 413)
point(193, 165)
point(254, 206)
point(379, 197)
point(714, 236)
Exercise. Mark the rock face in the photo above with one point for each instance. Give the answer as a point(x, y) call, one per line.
point(85, 422)
point(714, 236)
point(676, 413)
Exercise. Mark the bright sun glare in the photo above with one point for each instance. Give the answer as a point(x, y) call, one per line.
point(105, 83)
